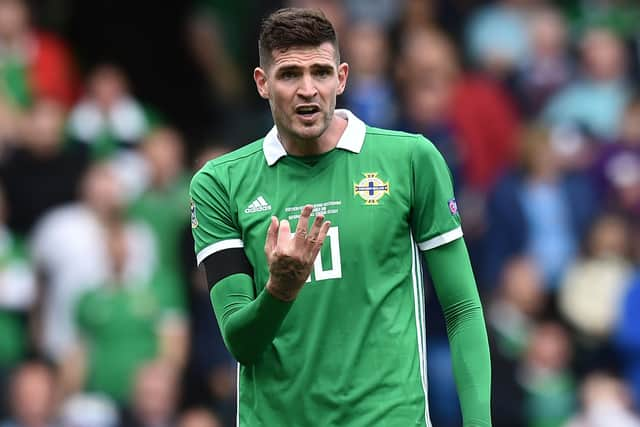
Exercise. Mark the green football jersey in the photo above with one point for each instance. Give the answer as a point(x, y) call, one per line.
point(351, 351)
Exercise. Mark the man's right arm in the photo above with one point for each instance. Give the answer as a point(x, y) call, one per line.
point(249, 322)
point(249, 325)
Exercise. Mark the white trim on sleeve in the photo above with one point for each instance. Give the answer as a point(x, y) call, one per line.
point(217, 247)
point(440, 240)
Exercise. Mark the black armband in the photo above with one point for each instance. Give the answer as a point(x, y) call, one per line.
point(224, 263)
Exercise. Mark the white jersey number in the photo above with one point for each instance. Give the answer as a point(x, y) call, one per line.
point(318, 273)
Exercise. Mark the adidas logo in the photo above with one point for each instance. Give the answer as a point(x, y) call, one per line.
point(258, 205)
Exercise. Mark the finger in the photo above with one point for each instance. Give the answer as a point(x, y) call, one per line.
point(315, 228)
point(272, 236)
point(284, 233)
point(303, 222)
point(317, 244)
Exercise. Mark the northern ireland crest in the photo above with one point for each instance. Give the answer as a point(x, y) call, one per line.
point(371, 189)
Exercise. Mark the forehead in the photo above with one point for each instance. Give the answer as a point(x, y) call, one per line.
point(305, 56)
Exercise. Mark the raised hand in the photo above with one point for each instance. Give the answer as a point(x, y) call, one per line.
point(291, 256)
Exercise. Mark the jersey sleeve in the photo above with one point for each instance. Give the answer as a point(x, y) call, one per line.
point(435, 220)
point(212, 222)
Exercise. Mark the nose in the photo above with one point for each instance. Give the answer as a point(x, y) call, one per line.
point(307, 88)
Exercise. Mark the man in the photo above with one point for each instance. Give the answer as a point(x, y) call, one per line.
point(328, 322)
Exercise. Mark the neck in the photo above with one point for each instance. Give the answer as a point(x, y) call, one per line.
point(312, 147)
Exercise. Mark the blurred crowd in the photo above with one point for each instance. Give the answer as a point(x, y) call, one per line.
point(105, 320)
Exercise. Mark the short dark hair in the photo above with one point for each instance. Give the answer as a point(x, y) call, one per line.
point(293, 27)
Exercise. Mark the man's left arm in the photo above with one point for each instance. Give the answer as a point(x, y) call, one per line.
point(455, 287)
point(435, 224)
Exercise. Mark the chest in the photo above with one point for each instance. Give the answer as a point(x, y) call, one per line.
point(366, 199)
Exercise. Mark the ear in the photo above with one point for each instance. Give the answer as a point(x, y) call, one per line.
point(262, 83)
point(343, 73)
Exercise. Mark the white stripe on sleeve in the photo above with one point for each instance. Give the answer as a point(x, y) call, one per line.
point(217, 247)
point(440, 240)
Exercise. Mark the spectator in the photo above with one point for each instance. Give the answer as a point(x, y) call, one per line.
point(162, 208)
point(539, 209)
point(548, 68)
point(123, 324)
point(77, 232)
point(155, 395)
point(520, 300)
point(511, 321)
point(108, 118)
point(546, 377)
point(371, 94)
point(40, 173)
point(617, 168)
point(594, 103)
point(497, 37)
point(427, 83)
point(35, 63)
point(32, 391)
point(591, 293)
point(605, 402)
point(465, 114)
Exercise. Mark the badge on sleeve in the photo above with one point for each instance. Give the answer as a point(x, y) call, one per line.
point(453, 206)
point(194, 218)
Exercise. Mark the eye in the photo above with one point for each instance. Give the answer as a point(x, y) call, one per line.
point(323, 72)
point(287, 75)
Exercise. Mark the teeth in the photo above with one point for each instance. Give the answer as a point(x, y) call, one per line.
point(306, 110)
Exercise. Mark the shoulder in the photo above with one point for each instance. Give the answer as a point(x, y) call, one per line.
point(398, 139)
point(216, 169)
point(242, 154)
point(413, 144)
point(390, 134)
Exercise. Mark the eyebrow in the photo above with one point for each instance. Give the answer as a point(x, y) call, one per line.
point(293, 67)
point(322, 67)
point(288, 68)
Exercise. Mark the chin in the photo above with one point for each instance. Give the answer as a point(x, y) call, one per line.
point(310, 132)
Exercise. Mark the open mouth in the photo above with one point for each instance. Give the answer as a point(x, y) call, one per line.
point(307, 111)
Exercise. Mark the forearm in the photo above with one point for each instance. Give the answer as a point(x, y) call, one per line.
point(471, 362)
point(247, 325)
point(451, 272)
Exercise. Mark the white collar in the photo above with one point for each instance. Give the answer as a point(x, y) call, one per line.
point(351, 139)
